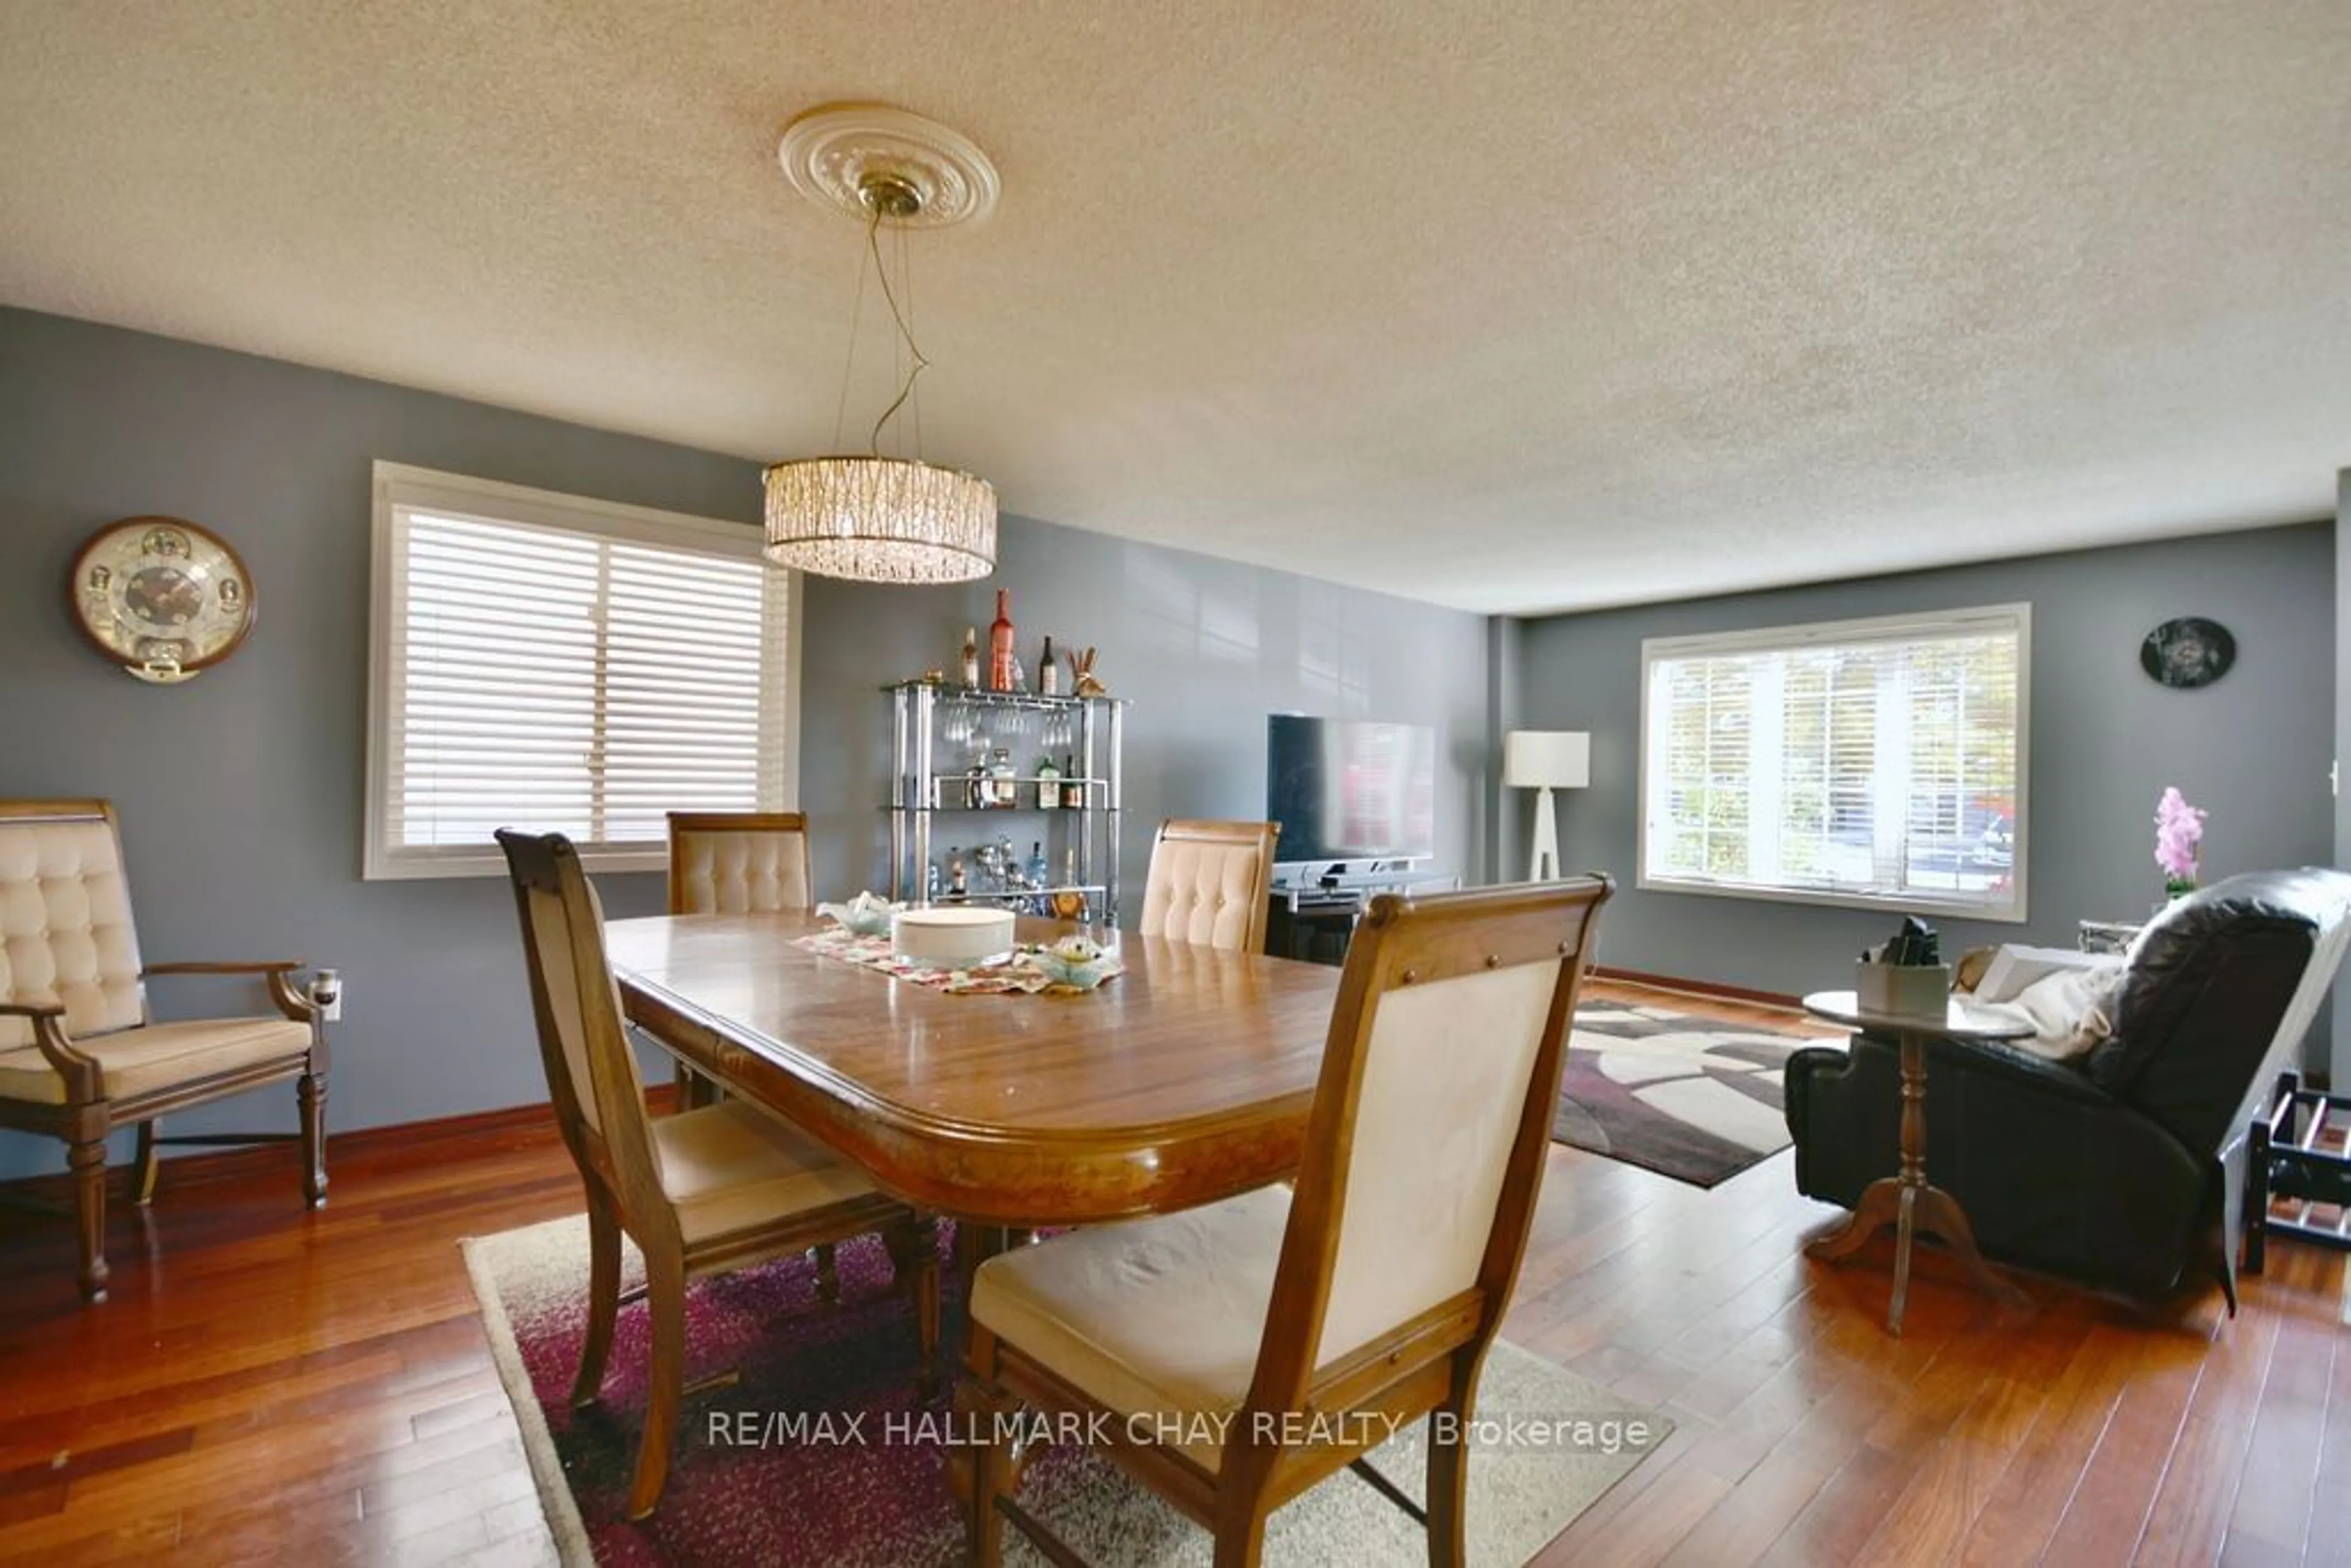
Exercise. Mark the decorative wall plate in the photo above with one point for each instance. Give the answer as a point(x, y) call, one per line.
point(161, 595)
point(2189, 651)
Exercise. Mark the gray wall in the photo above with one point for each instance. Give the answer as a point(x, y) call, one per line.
point(1203, 649)
point(241, 793)
point(2252, 748)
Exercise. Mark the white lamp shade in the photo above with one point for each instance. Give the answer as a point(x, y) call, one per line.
point(1547, 759)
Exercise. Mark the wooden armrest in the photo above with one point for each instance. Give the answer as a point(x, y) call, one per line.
point(282, 992)
point(79, 1072)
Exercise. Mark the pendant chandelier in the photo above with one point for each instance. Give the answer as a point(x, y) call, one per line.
point(885, 517)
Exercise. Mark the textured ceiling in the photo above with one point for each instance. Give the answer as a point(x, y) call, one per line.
point(1511, 306)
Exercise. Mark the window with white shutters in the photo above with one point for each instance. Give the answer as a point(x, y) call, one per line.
point(553, 663)
point(1878, 763)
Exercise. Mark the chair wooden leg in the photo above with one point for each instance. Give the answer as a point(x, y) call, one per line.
point(664, 1383)
point(1448, 1488)
point(311, 1092)
point(87, 1161)
point(604, 1301)
point(914, 1249)
point(978, 1404)
point(142, 1179)
point(828, 1271)
point(1240, 1538)
point(695, 1090)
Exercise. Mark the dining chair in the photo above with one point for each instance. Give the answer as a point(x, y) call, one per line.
point(741, 862)
point(1240, 1352)
point(738, 863)
point(80, 1054)
point(1210, 883)
point(701, 1191)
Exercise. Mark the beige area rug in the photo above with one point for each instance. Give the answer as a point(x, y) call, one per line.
point(1550, 1442)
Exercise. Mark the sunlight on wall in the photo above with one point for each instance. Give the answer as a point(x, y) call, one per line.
point(1175, 614)
point(1334, 649)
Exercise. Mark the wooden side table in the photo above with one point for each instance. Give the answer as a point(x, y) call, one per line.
point(1908, 1201)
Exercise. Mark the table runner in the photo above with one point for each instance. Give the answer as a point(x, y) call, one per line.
point(1018, 975)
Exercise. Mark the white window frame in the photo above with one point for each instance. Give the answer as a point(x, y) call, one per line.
point(1976, 621)
point(399, 488)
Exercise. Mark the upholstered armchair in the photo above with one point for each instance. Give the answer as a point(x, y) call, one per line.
point(80, 1055)
point(2128, 1170)
point(1209, 883)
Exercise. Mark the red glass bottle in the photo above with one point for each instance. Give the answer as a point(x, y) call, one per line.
point(999, 644)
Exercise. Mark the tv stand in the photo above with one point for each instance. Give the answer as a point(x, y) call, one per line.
point(1313, 913)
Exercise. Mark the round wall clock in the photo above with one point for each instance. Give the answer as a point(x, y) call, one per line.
point(161, 595)
point(2188, 653)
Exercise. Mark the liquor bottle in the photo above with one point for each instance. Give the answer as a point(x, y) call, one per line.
point(971, 655)
point(933, 884)
point(1048, 675)
point(955, 872)
point(1002, 790)
point(1049, 783)
point(1000, 644)
point(1039, 873)
point(1074, 789)
point(1069, 903)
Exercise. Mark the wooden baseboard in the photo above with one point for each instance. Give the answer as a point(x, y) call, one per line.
point(241, 1164)
point(1697, 987)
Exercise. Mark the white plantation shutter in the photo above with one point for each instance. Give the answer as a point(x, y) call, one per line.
point(1878, 762)
point(552, 664)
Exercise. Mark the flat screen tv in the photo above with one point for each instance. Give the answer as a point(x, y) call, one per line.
point(1351, 790)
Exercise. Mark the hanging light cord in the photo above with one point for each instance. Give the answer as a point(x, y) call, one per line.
point(848, 359)
point(917, 364)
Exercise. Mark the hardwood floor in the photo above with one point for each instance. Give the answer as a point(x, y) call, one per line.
point(317, 1387)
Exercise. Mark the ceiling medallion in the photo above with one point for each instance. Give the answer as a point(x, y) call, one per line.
point(836, 152)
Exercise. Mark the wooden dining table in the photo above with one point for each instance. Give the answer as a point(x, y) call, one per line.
point(1186, 1079)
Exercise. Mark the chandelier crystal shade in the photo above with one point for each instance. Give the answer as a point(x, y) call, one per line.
point(881, 519)
point(884, 519)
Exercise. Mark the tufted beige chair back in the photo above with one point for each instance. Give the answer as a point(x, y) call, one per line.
point(65, 938)
point(738, 863)
point(1209, 883)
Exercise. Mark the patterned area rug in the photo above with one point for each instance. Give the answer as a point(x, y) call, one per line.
point(821, 1455)
point(1692, 1098)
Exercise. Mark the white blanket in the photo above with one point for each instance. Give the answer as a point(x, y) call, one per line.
point(2069, 1010)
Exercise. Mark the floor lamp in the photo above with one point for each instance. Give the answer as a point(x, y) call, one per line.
point(1544, 760)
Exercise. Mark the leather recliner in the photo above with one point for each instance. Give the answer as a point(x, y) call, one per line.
point(2125, 1170)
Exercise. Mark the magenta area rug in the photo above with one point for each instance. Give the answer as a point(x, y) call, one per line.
point(820, 1454)
point(1696, 1100)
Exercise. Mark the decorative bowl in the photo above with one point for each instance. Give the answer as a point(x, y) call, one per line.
point(1076, 962)
point(953, 937)
point(868, 914)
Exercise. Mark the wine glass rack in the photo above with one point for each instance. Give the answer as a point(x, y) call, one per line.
point(939, 731)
